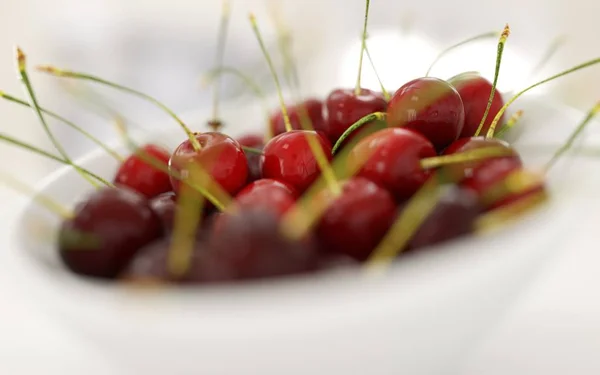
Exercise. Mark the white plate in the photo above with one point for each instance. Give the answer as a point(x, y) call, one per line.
point(420, 318)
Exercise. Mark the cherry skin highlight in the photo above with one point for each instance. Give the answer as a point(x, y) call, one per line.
point(288, 158)
point(391, 158)
point(220, 155)
point(356, 221)
point(431, 107)
point(313, 108)
point(475, 93)
point(107, 230)
point(344, 108)
point(274, 196)
point(139, 175)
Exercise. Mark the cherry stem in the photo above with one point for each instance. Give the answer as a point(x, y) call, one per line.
point(284, 41)
point(501, 43)
point(72, 125)
point(21, 144)
point(252, 150)
point(358, 88)
point(220, 202)
point(517, 182)
point(414, 214)
point(286, 117)
point(494, 123)
point(222, 41)
point(569, 143)
point(44, 200)
point(88, 77)
point(22, 66)
point(506, 214)
point(512, 121)
point(358, 124)
point(491, 34)
point(471, 155)
point(385, 93)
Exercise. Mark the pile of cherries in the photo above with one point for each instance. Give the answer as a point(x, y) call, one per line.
point(133, 222)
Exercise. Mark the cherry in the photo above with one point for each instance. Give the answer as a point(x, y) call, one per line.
point(220, 155)
point(272, 195)
point(356, 221)
point(313, 108)
point(164, 207)
point(454, 216)
point(106, 231)
point(252, 246)
point(475, 91)
point(345, 107)
point(138, 174)
point(391, 158)
point(289, 158)
point(429, 106)
point(257, 142)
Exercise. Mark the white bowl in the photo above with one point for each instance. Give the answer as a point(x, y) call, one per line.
point(420, 318)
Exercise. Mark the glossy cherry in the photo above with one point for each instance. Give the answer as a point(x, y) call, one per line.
point(453, 217)
point(431, 107)
point(257, 142)
point(356, 220)
point(252, 246)
point(288, 158)
point(391, 158)
point(220, 155)
point(139, 175)
point(272, 195)
point(475, 93)
point(344, 108)
point(311, 107)
point(106, 231)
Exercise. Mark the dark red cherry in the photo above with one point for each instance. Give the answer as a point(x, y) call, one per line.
point(311, 107)
point(271, 195)
point(164, 206)
point(106, 231)
point(431, 107)
point(137, 174)
point(391, 158)
point(220, 155)
point(475, 93)
point(257, 142)
point(252, 246)
point(356, 220)
point(344, 108)
point(454, 216)
point(288, 158)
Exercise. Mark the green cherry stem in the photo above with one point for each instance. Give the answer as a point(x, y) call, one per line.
point(466, 156)
point(252, 150)
point(358, 88)
point(569, 143)
point(365, 120)
point(584, 65)
point(29, 147)
point(22, 66)
point(501, 43)
point(69, 123)
point(285, 43)
point(512, 121)
point(385, 93)
point(216, 123)
point(488, 35)
point(88, 77)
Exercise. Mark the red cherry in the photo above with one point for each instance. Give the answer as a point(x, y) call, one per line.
point(220, 155)
point(344, 108)
point(271, 195)
point(356, 221)
point(257, 142)
point(107, 230)
point(475, 93)
point(429, 106)
point(288, 158)
point(312, 107)
point(138, 175)
point(391, 158)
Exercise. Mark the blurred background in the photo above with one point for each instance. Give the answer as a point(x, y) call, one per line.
point(163, 47)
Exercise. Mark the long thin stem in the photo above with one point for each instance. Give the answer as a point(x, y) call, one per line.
point(358, 88)
point(69, 123)
point(385, 93)
point(88, 77)
point(354, 127)
point(494, 123)
point(215, 123)
point(512, 121)
point(22, 66)
point(285, 44)
point(466, 156)
point(501, 42)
